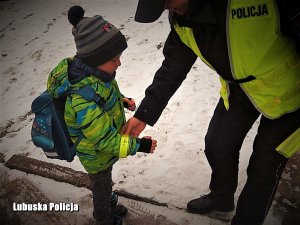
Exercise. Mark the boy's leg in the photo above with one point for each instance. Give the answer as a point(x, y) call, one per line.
point(265, 169)
point(101, 189)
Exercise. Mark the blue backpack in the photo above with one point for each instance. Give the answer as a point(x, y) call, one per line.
point(49, 130)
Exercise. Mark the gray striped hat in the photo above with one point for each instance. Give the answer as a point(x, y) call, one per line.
point(97, 41)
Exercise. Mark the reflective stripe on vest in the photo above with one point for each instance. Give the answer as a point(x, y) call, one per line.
point(257, 48)
point(291, 145)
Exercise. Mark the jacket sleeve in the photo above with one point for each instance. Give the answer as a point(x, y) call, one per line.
point(100, 133)
point(177, 63)
point(290, 19)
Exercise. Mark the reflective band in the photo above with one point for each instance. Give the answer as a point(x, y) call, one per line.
point(291, 145)
point(124, 145)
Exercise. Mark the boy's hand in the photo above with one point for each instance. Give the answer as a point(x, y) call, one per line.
point(153, 144)
point(129, 103)
point(147, 145)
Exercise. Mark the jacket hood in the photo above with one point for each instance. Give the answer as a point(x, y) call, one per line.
point(72, 73)
point(58, 82)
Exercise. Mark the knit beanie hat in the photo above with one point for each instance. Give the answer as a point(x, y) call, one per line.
point(97, 41)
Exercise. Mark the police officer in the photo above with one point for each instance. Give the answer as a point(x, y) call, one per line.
point(259, 71)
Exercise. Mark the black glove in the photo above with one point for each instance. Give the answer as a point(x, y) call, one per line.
point(145, 145)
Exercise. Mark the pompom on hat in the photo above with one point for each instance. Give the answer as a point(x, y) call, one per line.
point(97, 41)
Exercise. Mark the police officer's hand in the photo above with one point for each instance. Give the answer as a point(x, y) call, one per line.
point(133, 127)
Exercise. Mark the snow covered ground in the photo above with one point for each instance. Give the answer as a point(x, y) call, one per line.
point(35, 35)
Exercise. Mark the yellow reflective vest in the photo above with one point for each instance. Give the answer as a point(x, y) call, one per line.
point(257, 48)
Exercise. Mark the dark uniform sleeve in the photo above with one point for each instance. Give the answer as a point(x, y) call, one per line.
point(177, 63)
point(290, 19)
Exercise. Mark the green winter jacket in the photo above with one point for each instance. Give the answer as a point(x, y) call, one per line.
point(102, 144)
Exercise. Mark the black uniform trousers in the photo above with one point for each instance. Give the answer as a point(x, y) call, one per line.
point(226, 133)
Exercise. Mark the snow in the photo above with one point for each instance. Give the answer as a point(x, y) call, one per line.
point(35, 35)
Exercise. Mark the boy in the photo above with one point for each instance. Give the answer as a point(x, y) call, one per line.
point(99, 47)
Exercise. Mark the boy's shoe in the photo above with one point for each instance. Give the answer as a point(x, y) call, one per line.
point(120, 211)
point(117, 220)
point(206, 204)
point(113, 200)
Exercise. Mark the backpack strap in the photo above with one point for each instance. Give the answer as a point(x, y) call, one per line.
point(89, 94)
